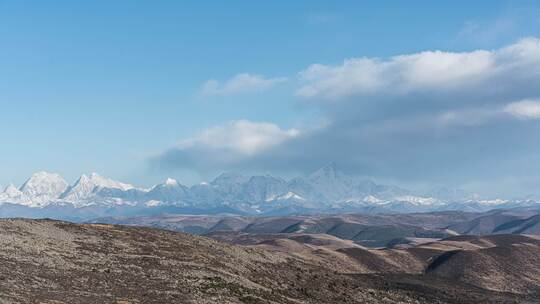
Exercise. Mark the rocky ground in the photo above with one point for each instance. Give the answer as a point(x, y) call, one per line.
point(43, 261)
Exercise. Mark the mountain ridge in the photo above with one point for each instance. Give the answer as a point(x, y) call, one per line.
point(325, 190)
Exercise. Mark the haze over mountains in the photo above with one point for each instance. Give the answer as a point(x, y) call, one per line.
point(326, 190)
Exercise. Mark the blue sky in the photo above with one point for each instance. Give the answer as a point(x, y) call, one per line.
point(143, 90)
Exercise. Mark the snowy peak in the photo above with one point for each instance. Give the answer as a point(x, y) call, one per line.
point(325, 189)
point(171, 182)
point(11, 191)
point(82, 189)
point(287, 196)
point(170, 191)
point(332, 184)
point(103, 182)
point(228, 180)
point(260, 188)
point(328, 172)
point(39, 190)
point(372, 199)
point(43, 187)
point(13, 195)
point(451, 194)
point(85, 187)
point(492, 202)
point(417, 200)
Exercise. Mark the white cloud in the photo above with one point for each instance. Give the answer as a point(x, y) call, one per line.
point(240, 83)
point(522, 54)
point(430, 115)
point(242, 136)
point(429, 71)
point(524, 109)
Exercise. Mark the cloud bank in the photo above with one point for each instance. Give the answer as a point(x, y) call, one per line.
point(227, 145)
point(435, 116)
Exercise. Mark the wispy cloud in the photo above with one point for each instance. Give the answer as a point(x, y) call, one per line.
point(239, 84)
point(518, 21)
point(485, 34)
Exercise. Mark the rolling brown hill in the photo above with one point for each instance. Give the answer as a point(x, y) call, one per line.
point(507, 263)
point(529, 225)
point(366, 230)
point(45, 261)
point(503, 263)
point(373, 230)
point(493, 221)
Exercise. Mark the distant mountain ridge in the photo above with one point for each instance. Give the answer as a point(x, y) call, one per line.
point(325, 190)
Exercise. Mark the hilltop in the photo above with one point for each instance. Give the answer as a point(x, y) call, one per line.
point(60, 262)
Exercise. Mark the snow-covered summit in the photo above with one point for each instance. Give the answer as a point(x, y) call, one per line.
point(169, 191)
point(171, 182)
point(326, 189)
point(417, 200)
point(86, 186)
point(12, 194)
point(43, 187)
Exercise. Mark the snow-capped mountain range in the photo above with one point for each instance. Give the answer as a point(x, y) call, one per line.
point(325, 190)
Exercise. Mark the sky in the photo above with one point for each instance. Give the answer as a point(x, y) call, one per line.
point(417, 93)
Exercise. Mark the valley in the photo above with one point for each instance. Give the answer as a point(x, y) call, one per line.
point(369, 230)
